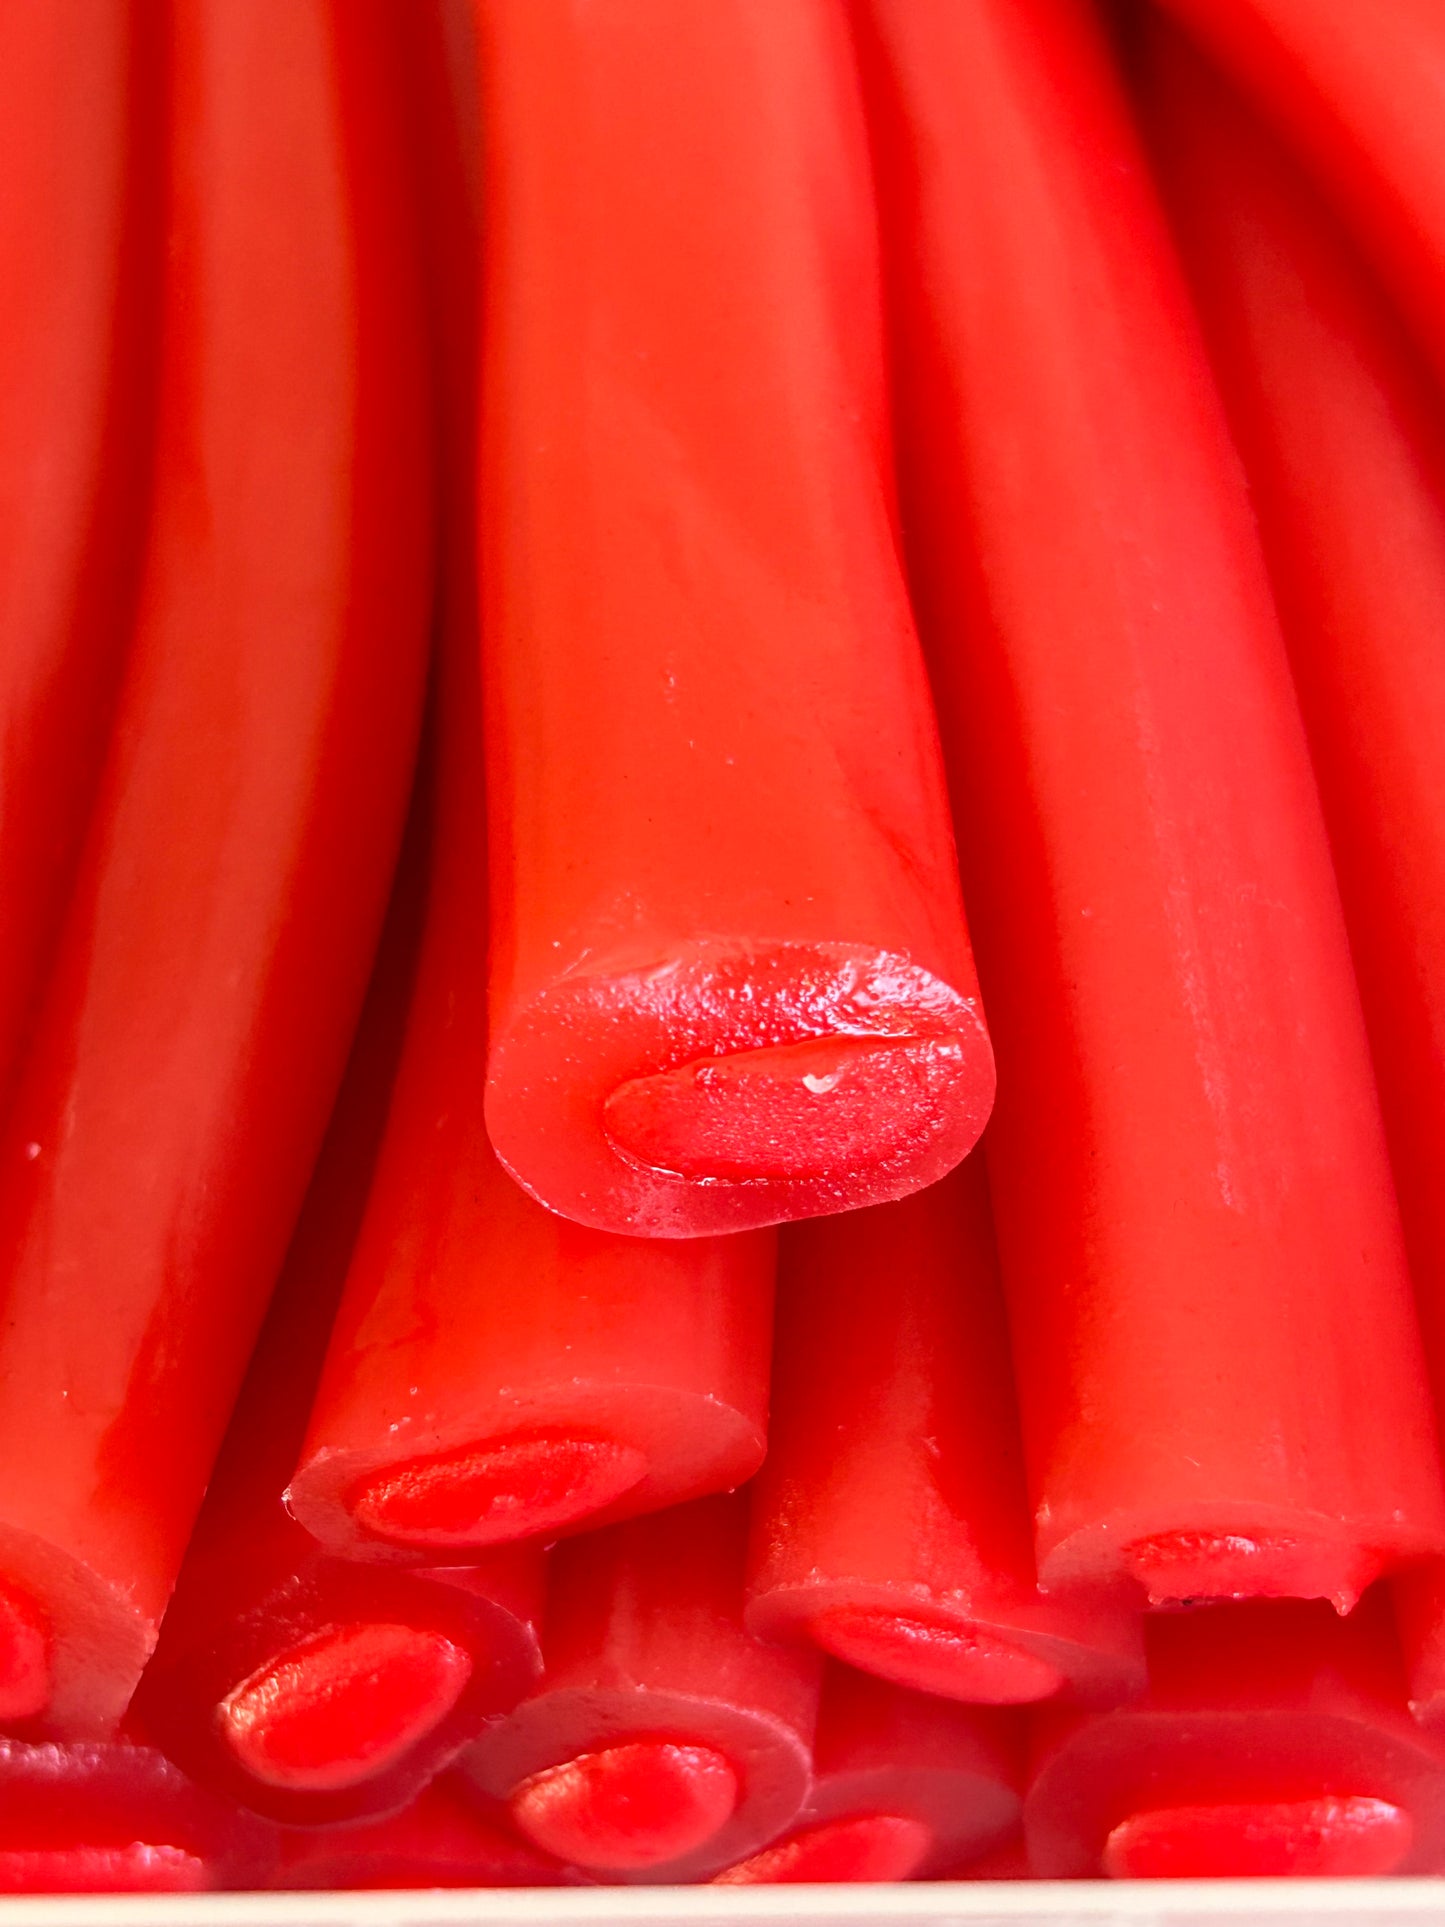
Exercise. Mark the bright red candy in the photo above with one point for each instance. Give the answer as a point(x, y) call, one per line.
point(495, 1371)
point(1360, 91)
point(115, 1817)
point(1274, 1739)
point(890, 1522)
point(213, 963)
point(731, 981)
point(308, 1687)
point(1344, 433)
point(80, 247)
point(1197, 1229)
point(904, 1785)
point(665, 1741)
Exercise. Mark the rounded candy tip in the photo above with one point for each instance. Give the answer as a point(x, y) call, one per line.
point(628, 1807)
point(342, 1706)
point(1333, 1835)
point(490, 1494)
point(865, 1847)
point(956, 1662)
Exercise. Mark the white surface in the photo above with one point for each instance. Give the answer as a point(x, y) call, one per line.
point(1242, 1903)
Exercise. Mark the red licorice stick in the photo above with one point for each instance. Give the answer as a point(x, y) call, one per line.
point(1197, 1228)
point(890, 1523)
point(216, 951)
point(79, 263)
point(1344, 435)
point(447, 1837)
point(496, 1371)
point(305, 1686)
point(904, 1784)
point(1361, 92)
point(665, 1743)
point(1274, 1740)
point(731, 982)
point(111, 1817)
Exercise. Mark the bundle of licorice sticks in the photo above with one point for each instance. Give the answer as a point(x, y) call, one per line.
point(548, 548)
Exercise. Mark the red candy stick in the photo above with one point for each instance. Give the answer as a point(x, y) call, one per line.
point(307, 1687)
point(1361, 91)
point(79, 260)
point(890, 1522)
point(732, 983)
point(447, 1837)
point(216, 951)
point(1345, 438)
point(496, 1371)
point(903, 1785)
point(665, 1743)
point(1274, 1740)
point(111, 1817)
point(1196, 1221)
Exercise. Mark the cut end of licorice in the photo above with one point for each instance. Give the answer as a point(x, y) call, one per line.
point(821, 1108)
point(956, 1662)
point(342, 1706)
point(1194, 1568)
point(490, 1494)
point(1331, 1836)
point(24, 1656)
point(869, 1846)
point(628, 1807)
point(136, 1868)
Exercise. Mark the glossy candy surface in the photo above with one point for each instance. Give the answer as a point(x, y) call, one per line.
point(890, 1522)
point(80, 234)
point(1197, 1229)
point(1344, 433)
point(1274, 1739)
point(310, 1688)
point(215, 955)
point(731, 982)
point(665, 1742)
point(1360, 92)
point(905, 1785)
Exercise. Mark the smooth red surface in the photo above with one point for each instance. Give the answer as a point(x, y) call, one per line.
point(627, 1806)
point(1274, 1739)
point(875, 1846)
point(1197, 1229)
point(216, 949)
point(1327, 1837)
point(339, 1707)
point(446, 1837)
point(904, 1784)
point(731, 982)
point(497, 1371)
point(1344, 434)
point(310, 1688)
point(890, 1522)
point(652, 1687)
point(112, 1817)
point(80, 231)
point(1360, 92)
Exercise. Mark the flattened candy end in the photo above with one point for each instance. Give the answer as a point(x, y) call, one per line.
point(956, 1662)
point(493, 1493)
point(864, 1847)
point(1194, 1567)
point(823, 1108)
point(1332, 1835)
point(627, 1807)
point(334, 1710)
